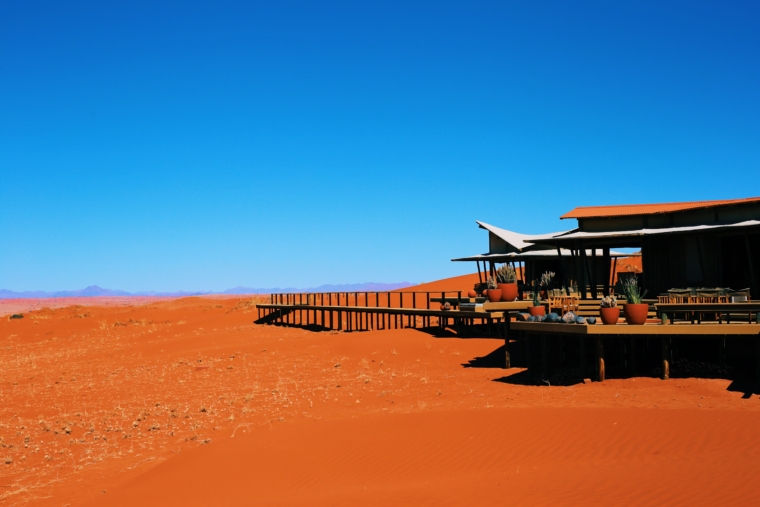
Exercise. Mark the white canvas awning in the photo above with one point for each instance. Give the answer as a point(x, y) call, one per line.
point(518, 241)
point(535, 254)
point(576, 234)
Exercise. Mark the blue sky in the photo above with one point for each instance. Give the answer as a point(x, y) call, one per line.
point(200, 146)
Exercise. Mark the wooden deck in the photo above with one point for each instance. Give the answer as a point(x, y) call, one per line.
point(538, 334)
point(621, 329)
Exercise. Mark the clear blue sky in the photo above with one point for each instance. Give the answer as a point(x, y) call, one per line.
point(200, 146)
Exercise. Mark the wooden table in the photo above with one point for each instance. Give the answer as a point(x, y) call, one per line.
point(664, 310)
point(600, 331)
point(507, 306)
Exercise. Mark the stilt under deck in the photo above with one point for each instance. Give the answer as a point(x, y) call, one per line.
point(542, 339)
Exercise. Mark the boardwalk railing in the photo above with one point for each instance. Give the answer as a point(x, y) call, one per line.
point(355, 311)
point(388, 299)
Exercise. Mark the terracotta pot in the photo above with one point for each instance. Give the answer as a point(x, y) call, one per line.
point(636, 315)
point(472, 294)
point(508, 291)
point(494, 295)
point(609, 316)
point(537, 310)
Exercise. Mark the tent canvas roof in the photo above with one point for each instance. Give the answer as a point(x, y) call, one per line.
point(519, 241)
point(533, 254)
point(577, 234)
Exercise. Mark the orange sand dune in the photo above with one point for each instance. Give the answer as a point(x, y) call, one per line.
point(462, 283)
point(22, 305)
point(140, 404)
point(534, 456)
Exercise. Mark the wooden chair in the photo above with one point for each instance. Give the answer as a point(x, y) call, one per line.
point(682, 296)
point(708, 296)
point(559, 303)
point(737, 296)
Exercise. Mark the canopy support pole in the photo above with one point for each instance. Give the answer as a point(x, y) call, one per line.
point(606, 260)
point(562, 270)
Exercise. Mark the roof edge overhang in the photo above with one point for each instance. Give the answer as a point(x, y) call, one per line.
point(535, 254)
point(630, 210)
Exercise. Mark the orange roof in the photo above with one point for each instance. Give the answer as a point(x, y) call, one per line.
point(649, 209)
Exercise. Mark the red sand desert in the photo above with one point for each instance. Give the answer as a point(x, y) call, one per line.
point(187, 402)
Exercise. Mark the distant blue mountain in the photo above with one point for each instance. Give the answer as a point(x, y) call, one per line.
point(351, 287)
point(95, 291)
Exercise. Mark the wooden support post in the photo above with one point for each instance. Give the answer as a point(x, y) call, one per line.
point(633, 356)
point(584, 273)
point(722, 352)
point(600, 373)
point(544, 358)
point(582, 353)
point(665, 350)
point(562, 273)
point(529, 355)
point(757, 361)
point(593, 273)
point(606, 261)
point(752, 267)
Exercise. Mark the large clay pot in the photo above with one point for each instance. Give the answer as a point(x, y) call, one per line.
point(537, 310)
point(508, 291)
point(636, 315)
point(609, 316)
point(494, 295)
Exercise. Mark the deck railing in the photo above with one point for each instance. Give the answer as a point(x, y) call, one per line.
point(373, 299)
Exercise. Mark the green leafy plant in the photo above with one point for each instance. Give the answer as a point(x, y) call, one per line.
point(632, 291)
point(491, 282)
point(506, 274)
point(536, 294)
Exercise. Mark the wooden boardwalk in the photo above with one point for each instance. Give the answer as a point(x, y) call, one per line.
point(365, 318)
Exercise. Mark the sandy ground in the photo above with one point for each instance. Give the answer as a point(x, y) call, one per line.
point(188, 402)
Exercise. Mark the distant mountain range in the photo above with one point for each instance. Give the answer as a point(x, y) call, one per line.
point(95, 291)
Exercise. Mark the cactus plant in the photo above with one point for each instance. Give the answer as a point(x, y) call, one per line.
point(491, 282)
point(608, 301)
point(506, 274)
point(546, 278)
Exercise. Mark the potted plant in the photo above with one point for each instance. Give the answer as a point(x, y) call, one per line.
point(494, 293)
point(635, 311)
point(537, 309)
point(507, 282)
point(546, 281)
point(609, 311)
